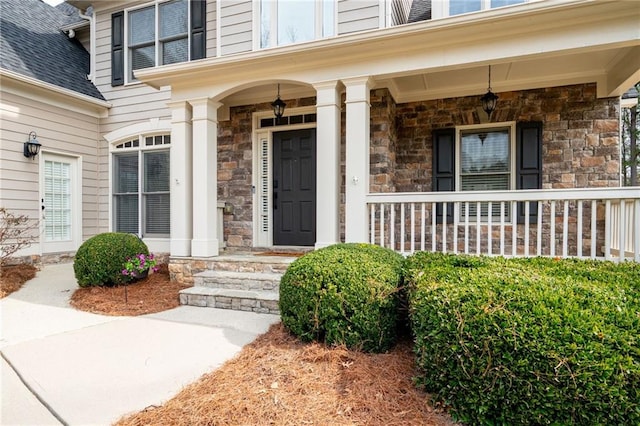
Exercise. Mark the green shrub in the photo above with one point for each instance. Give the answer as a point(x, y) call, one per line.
point(528, 341)
point(343, 294)
point(99, 260)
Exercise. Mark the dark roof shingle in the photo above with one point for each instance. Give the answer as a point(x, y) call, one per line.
point(31, 44)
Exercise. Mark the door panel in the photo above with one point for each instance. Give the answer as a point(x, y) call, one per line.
point(60, 203)
point(294, 188)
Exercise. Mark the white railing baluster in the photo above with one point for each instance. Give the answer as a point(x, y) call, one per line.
point(444, 227)
point(402, 220)
point(456, 212)
point(478, 222)
point(579, 229)
point(622, 239)
point(514, 228)
point(382, 225)
point(489, 239)
point(502, 208)
point(422, 226)
point(607, 230)
point(466, 227)
point(526, 229)
point(413, 228)
point(552, 232)
point(372, 224)
point(433, 227)
point(392, 226)
point(594, 222)
point(565, 229)
point(539, 239)
point(636, 230)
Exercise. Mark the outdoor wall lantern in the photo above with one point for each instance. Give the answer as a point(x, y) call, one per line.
point(278, 106)
point(489, 99)
point(32, 146)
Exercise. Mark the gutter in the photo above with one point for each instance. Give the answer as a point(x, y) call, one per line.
point(92, 44)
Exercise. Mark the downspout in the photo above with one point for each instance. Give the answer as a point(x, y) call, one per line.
point(92, 45)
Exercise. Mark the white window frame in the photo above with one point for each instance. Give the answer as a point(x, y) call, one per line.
point(157, 42)
point(511, 127)
point(273, 41)
point(140, 150)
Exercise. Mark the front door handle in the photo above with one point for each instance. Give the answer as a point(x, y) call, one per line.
point(275, 201)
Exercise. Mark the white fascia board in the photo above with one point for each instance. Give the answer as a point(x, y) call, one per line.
point(53, 95)
point(540, 29)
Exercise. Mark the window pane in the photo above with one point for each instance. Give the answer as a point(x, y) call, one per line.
point(157, 214)
point(328, 21)
point(126, 213)
point(156, 171)
point(125, 173)
point(500, 3)
point(175, 51)
point(485, 152)
point(296, 21)
point(143, 57)
point(142, 26)
point(484, 182)
point(457, 7)
point(173, 18)
point(265, 23)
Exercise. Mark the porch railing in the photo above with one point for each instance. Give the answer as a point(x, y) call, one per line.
point(585, 223)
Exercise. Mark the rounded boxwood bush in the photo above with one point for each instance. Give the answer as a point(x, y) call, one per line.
point(344, 294)
point(100, 259)
point(528, 341)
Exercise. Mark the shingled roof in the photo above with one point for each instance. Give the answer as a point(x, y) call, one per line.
point(31, 44)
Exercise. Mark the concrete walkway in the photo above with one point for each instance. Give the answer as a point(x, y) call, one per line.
point(63, 366)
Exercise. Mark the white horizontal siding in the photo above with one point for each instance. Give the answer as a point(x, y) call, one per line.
point(212, 29)
point(58, 130)
point(236, 26)
point(358, 15)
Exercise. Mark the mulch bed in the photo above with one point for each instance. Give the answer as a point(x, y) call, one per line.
point(278, 380)
point(12, 278)
point(155, 293)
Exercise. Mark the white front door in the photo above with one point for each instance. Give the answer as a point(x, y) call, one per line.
point(60, 203)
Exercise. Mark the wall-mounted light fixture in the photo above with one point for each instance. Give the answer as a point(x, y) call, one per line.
point(31, 146)
point(489, 100)
point(278, 106)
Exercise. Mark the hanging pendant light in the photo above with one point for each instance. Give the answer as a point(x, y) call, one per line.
point(489, 100)
point(278, 106)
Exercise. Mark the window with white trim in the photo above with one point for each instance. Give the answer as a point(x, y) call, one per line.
point(485, 163)
point(141, 197)
point(285, 22)
point(157, 34)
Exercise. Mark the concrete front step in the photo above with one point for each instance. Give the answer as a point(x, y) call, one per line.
point(260, 301)
point(238, 280)
point(251, 263)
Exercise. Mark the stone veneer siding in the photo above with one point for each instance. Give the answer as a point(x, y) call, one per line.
point(580, 144)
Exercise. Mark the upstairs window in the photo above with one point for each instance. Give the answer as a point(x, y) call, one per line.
point(285, 22)
point(457, 7)
point(160, 33)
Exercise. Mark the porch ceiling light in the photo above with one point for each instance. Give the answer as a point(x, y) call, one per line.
point(278, 106)
point(31, 146)
point(489, 100)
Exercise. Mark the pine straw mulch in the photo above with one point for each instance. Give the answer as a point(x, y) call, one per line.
point(12, 278)
point(153, 294)
point(277, 380)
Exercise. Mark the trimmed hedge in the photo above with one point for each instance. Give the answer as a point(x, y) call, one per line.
point(343, 294)
point(528, 341)
point(99, 260)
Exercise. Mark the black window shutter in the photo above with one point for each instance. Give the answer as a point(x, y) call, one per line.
point(528, 163)
point(117, 49)
point(198, 29)
point(444, 171)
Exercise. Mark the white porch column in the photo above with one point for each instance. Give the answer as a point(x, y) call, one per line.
point(180, 178)
point(328, 164)
point(205, 177)
point(357, 159)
